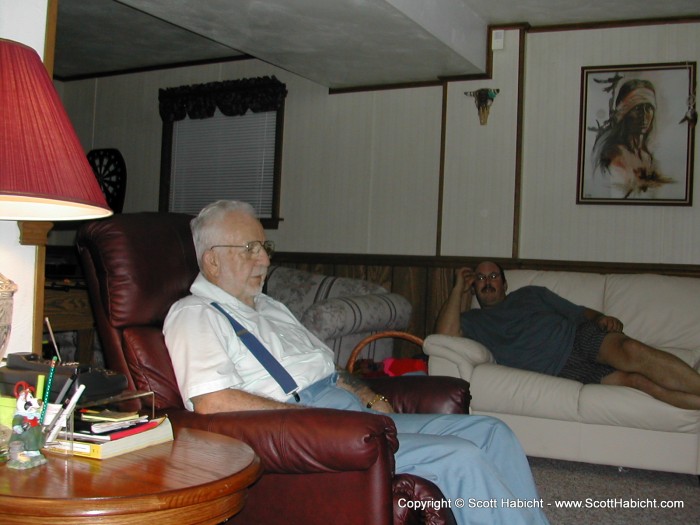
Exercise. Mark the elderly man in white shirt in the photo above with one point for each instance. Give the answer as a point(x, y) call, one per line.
point(473, 459)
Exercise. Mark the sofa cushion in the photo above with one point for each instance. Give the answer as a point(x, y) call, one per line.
point(337, 316)
point(299, 289)
point(690, 356)
point(500, 389)
point(626, 407)
point(656, 309)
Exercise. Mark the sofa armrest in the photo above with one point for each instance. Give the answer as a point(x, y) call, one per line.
point(303, 441)
point(424, 394)
point(464, 353)
point(357, 314)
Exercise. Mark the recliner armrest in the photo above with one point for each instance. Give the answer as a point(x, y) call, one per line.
point(424, 394)
point(340, 316)
point(303, 441)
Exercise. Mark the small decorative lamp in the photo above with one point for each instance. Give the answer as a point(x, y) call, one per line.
point(44, 172)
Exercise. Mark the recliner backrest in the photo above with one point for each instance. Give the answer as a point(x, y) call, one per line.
point(136, 266)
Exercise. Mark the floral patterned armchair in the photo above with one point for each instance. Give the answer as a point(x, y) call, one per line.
point(340, 311)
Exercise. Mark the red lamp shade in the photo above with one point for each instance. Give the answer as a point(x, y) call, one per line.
point(44, 172)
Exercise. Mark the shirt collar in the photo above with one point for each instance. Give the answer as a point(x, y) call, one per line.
point(204, 288)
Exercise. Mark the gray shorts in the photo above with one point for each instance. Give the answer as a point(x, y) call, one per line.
point(582, 364)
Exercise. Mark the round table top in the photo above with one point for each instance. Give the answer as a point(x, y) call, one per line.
point(200, 477)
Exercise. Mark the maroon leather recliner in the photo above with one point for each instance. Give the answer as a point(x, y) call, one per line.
point(320, 466)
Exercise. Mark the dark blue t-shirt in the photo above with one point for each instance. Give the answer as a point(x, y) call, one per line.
point(532, 329)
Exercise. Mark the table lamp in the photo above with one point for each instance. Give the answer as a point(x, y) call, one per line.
point(44, 172)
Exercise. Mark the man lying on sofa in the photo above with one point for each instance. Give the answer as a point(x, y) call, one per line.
point(471, 457)
point(535, 329)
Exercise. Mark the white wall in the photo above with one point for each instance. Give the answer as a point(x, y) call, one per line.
point(361, 171)
point(23, 22)
point(358, 160)
point(480, 162)
point(350, 180)
point(554, 227)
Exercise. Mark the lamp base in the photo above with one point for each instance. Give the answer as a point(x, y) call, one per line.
point(7, 290)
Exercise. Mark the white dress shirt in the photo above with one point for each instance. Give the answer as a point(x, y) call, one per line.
point(207, 356)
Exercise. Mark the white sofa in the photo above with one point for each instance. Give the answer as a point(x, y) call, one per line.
point(564, 419)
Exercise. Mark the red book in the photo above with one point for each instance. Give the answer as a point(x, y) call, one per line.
point(130, 431)
point(86, 435)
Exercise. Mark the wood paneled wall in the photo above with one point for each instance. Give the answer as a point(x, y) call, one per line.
point(426, 281)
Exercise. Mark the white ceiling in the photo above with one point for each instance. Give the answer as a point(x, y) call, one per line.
point(337, 43)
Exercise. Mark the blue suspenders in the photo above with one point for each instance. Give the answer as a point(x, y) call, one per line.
point(263, 355)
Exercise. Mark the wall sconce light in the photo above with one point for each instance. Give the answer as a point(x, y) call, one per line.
point(44, 173)
point(483, 98)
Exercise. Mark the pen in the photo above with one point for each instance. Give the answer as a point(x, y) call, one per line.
point(55, 426)
point(49, 381)
point(66, 387)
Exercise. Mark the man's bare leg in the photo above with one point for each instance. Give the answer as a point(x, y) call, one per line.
point(638, 381)
point(658, 373)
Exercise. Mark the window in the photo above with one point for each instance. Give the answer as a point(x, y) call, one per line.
point(228, 148)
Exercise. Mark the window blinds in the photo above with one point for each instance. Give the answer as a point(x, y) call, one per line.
point(223, 158)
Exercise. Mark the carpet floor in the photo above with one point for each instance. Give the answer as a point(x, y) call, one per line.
point(582, 493)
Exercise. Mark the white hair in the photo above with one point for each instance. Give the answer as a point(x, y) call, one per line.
point(206, 225)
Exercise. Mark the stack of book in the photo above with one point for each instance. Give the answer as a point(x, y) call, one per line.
point(103, 434)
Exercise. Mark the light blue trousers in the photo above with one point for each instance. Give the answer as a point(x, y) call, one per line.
point(476, 461)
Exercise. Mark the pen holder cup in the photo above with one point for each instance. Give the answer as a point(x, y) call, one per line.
point(51, 411)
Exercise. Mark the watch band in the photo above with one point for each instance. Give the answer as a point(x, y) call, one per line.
point(376, 399)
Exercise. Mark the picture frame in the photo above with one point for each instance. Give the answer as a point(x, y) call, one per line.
point(637, 134)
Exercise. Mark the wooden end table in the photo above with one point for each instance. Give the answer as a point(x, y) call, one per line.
point(199, 478)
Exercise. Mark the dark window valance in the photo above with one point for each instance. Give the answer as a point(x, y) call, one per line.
point(231, 97)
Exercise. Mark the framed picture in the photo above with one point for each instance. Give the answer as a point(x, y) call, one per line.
point(636, 134)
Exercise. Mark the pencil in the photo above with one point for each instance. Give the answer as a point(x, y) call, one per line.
point(52, 371)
